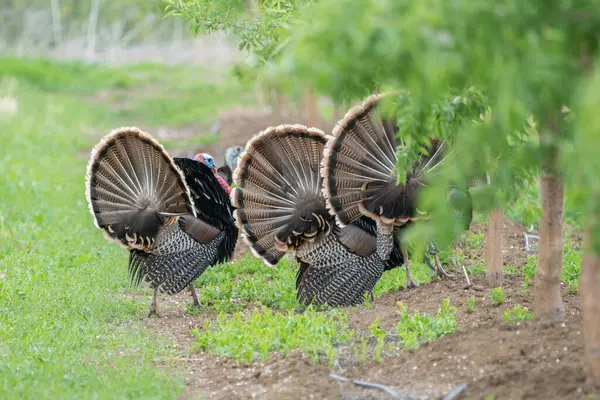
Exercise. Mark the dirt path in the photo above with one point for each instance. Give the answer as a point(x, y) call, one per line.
point(524, 360)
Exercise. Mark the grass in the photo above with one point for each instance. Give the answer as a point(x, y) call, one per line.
point(497, 296)
point(256, 335)
point(232, 287)
point(396, 278)
point(470, 304)
point(421, 327)
point(517, 313)
point(66, 328)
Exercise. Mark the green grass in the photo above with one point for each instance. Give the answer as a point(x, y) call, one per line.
point(497, 296)
point(258, 334)
point(232, 287)
point(517, 313)
point(421, 327)
point(66, 330)
point(396, 278)
point(470, 304)
point(571, 266)
point(145, 95)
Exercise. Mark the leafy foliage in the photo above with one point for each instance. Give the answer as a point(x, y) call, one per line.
point(517, 313)
point(260, 29)
point(231, 287)
point(497, 296)
point(258, 334)
point(470, 304)
point(421, 327)
point(66, 328)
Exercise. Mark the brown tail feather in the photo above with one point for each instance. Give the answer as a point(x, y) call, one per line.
point(133, 188)
point(278, 194)
point(359, 169)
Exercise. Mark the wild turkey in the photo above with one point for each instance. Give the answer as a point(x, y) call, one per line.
point(170, 213)
point(280, 208)
point(360, 177)
point(232, 154)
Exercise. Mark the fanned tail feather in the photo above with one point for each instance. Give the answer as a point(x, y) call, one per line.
point(133, 188)
point(359, 169)
point(278, 190)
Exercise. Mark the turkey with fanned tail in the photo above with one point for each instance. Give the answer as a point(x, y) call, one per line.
point(360, 177)
point(172, 214)
point(280, 209)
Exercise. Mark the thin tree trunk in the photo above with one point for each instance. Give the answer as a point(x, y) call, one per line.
point(92, 27)
point(56, 23)
point(589, 287)
point(310, 107)
point(548, 301)
point(281, 102)
point(337, 112)
point(494, 256)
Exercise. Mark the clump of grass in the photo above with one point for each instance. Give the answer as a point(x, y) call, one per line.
point(66, 329)
point(260, 333)
point(517, 313)
point(231, 287)
point(497, 296)
point(379, 334)
point(478, 269)
point(474, 240)
point(511, 270)
point(395, 278)
point(571, 266)
point(471, 304)
point(418, 328)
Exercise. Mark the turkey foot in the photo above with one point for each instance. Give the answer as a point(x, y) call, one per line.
point(153, 305)
point(439, 270)
point(194, 295)
point(410, 283)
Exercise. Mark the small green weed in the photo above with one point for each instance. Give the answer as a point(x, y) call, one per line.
point(517, 313)
point(393, 279)
point(258, 334)
point(418, 328)
point(474, 240)
point(511, 270)
point(571, 266)
point(471, 304)
point(478, 269)
point(378, 333)
point(231, 287)
point(525, 285)
point(497, 296)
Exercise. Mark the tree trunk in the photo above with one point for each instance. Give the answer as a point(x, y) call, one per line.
point(589, 287)
point(494, 256)
point(310, 106)
point(56, 23)
point(281, 102)
point(548, 301)
point(90, 50)
point(337, 113)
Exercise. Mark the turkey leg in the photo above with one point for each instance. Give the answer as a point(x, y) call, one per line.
point(194, 295)
point(154, 305)
point(409, 280)
point(439, 270)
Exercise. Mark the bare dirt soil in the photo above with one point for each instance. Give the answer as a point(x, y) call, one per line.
point(519, 360)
